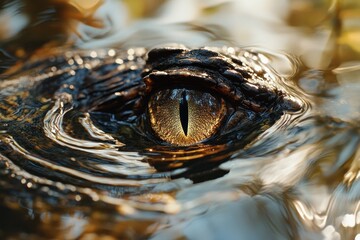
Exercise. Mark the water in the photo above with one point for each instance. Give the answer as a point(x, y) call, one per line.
point(63, 176)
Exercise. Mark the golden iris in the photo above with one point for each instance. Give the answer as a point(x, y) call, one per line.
point(184, 117)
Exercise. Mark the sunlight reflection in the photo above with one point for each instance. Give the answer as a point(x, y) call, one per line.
point(330, 233)
point(348, 220)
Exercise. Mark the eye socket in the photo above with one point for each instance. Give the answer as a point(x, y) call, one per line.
point(185, 117)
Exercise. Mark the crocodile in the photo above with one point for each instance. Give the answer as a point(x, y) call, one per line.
point(112, 127)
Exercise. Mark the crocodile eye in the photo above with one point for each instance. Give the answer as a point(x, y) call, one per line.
point(184, 117)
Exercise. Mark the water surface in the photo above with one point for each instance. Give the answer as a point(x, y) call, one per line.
point(65, 177)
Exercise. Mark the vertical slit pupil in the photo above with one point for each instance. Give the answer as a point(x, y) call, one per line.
point(184, 112)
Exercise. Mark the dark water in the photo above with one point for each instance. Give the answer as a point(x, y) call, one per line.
point(65, 176)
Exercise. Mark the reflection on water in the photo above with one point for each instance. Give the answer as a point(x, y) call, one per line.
point(297, 180)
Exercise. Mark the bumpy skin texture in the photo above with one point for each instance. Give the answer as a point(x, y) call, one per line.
point(237, 76)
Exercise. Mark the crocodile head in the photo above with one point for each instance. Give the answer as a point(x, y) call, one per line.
point(152, 115)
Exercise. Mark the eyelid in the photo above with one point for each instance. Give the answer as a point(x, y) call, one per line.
point(193, 79)
point(226, 84)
